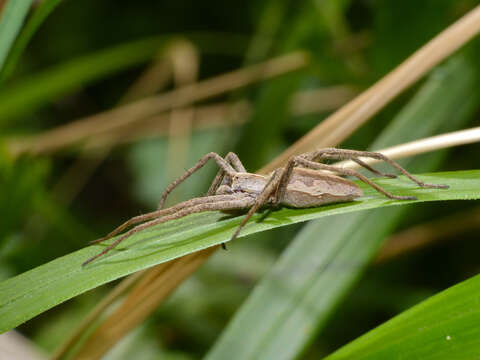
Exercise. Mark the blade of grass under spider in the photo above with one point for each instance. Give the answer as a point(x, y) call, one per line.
point(294, 300)
point(39, 289)
point(11, 21)
point(39, 15)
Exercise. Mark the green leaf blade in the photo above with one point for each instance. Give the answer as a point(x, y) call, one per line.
point(443, 327)
point(38, 290)
point(41, 13)
point(10, 23)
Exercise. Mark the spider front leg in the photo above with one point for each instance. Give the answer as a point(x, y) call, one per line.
point(236, 163)
point(224, 165)
point(262, 198)
point(236, 204)
point(163, 212)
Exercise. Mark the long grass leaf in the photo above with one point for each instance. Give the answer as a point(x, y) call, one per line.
point(12, 20)
point(443, 327)
point(37, 290)
point(41, 13)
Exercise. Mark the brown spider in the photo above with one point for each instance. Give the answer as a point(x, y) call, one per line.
point(299, 185)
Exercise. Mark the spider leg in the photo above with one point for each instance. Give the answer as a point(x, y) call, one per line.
point(233, 160)
point(284, 180)
point(347, 172)
point(225, 166)
point(164, 212)
point(373, 170)
point(239, 203)
point(340, 154)
point(270, 187)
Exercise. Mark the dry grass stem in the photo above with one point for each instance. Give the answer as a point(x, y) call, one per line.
point(155, 77)
point(178, 147)
point(168, 63)
point(223, 115)
point(72, 181)
point(185, 64)
point(2, 6)
point(345, 121)
point(125, 115)
point(205, 117)
point(141, 301)
point(77, 175)
point(14, 345)
point(97, 312)
point(321, 100)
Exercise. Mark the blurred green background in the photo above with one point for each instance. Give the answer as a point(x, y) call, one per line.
point(54, 203)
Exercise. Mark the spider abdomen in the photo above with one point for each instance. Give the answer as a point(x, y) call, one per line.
point(309, 188)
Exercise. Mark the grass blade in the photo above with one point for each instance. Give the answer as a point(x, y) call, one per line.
point(37, 290)
point(41, 13)
point(443, 327)
point(12, 19)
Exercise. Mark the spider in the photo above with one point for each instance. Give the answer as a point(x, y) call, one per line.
point(300, 184)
